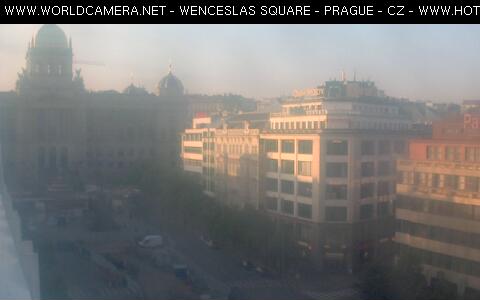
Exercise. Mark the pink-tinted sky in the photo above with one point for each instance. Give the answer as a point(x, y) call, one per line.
point(431, 62)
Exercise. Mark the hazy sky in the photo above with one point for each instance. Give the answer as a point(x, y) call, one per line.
point(431, 62)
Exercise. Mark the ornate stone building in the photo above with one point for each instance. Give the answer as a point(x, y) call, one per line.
point(52, 128)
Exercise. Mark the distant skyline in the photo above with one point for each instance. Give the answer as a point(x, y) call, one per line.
point(428, 62)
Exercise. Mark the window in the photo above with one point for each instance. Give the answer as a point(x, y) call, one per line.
point(384, 147)
point(368, 148)
point(287, 187)
point(335, 214)
point(383, 168)
point(288, 146)
point(435, 180)
point(272, 165)
point(271, 203)
point(336, 192)
point(452, 153)
point(305, 147)
point(472, 154)
point(366, 190)
point(383, 188)
point(304, 168)
point(197, 150)
point(271, 146)
point(368, 169)
point(383, 209)
point(337, 170)
point(433, 153)
point(287, 207)
point(304, 210)
point(304, 189)
point(471, 183)
point(272, 184)
point(288, 166)
point(451, 181)
point(337, 147)
point(366, 211)
point(399, 147)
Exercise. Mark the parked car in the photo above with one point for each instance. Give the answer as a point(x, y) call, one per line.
point(247, 265)
point(151, 241)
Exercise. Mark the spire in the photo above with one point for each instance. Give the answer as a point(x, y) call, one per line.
point(354, 75)
point(170, 66)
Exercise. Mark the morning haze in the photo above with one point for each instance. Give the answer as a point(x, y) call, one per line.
point(429, 62)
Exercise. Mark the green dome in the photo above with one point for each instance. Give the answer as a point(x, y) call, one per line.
point(51, 36)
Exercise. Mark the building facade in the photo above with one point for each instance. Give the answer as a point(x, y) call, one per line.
point(324, 166)
point(438, 203)
point(52, 127)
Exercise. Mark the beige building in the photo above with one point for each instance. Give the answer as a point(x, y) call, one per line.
point(438, 203)
point(325, 166)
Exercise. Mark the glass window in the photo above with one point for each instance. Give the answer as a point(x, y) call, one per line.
point(271, 145)
point(435, 180)
point(287, 207)
point(288, 166)
point(337, 147)
point(452, 153)
point(305, 168)
point(196, 150)
point(304, 189)
point(471, 183)
point(383, 168)
point(272, 165)
point(366, 211)
point(472, 153)
point(271, 203)
point(305, 147)
point(336, 192)
point(368, 169)
point(368, 148)
point(287, 187)
point(399, 147)
point(304, 210)
point(288, 146)
point(451, 181)
point(367, 190)
point(337, 170)
point(335, 214)
point(433, 152)
point(383, 188)
point(383, 209)
point(272, 184)
point(384, 147)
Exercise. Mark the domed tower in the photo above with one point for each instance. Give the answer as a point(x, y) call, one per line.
point(170, 85)
point(49, 60)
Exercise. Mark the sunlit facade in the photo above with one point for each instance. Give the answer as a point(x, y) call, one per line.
point(438, 202)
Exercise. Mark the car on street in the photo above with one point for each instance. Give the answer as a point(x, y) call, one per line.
point(151, 241)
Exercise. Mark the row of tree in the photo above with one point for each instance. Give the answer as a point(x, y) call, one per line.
point(175, 197)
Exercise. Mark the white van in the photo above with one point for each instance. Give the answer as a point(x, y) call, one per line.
point(151, 241)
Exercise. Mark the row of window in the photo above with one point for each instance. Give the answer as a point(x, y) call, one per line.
point(297, 125)
point(192, 137)
point(368, 169)
point(453, 153)
point(99, 153)
point(304, 168)
point(442, 208)
point(192, 162)
point(443, 261)
point(287, 207)
point(197, 150)
point(288, 146)
point(236, 149)
point(434, 180)
point(304, 189)
point(441, 234)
